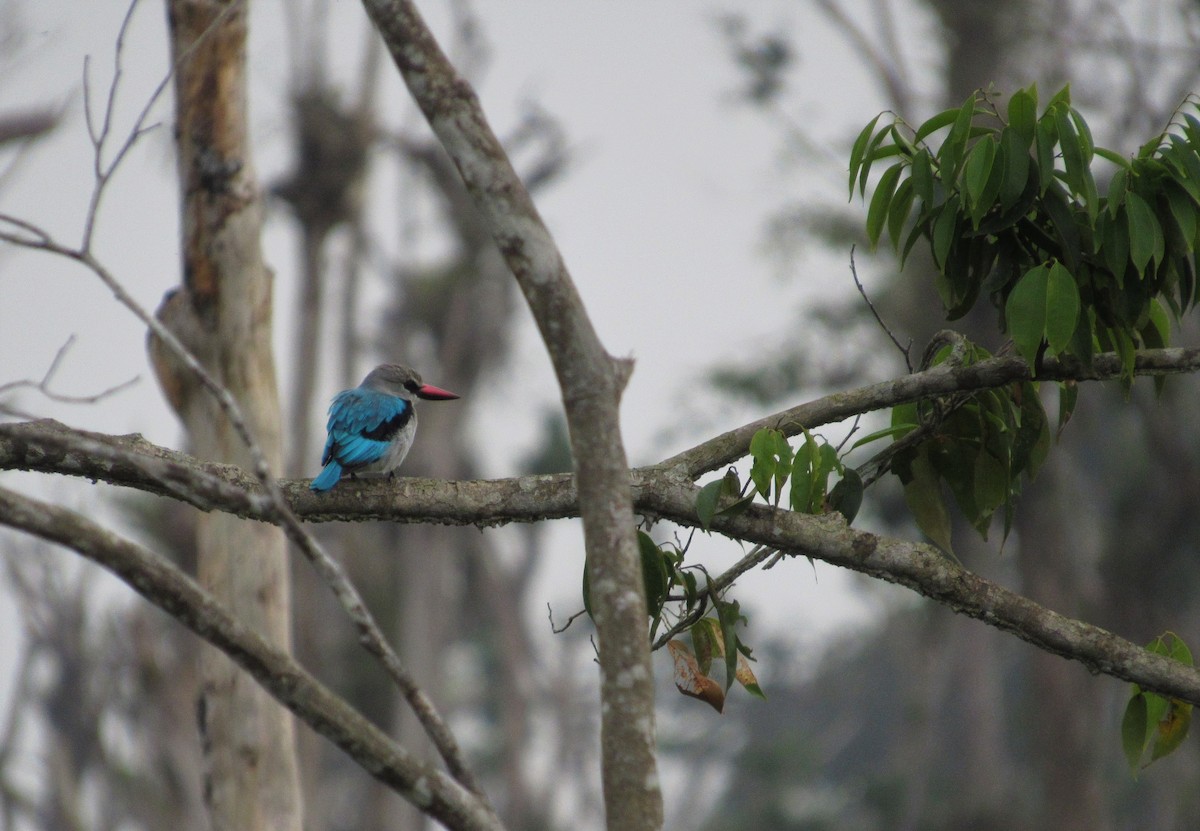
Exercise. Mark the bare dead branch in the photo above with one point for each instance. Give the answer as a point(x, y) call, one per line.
point(43, 386)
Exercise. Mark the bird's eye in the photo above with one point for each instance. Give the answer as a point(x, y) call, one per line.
point(411, 386)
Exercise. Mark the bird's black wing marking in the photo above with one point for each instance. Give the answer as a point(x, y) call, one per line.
point(387, 430)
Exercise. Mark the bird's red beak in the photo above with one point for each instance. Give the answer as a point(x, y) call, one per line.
point(432, 393)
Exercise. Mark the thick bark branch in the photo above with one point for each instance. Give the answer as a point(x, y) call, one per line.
point(591, 382)
point(168, 588)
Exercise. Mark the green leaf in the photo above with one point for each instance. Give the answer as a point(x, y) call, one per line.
point(991, 484)
point(1135, 733)
point(1086, 143)
point(1183, 211)
point(924, 497)
point(955, 145)
point(706, 502)
point(874, 154)
point(847, 495)
point(1046, 138)
point(859, 149)
point(1144, 231)
point(1117, 187)
point(942, 119)
point(1057, 205)
point(783, 453)
point(1025, 311)
point(1172, 729)
point(1115, 247)
point(1076, 150)
point(1062, 307)
point(1063, 96)
point(706, 642)
point(976, 172)
point(762, 467)
point(654, 573)
point(1032, 445)
point(729, 613)
point(896, 430)
point(877, 213)
point(1114, 157)
point(922, 176)
point(901, 207)
point(1015, 152)
point(1022, 114)
point(944, 231)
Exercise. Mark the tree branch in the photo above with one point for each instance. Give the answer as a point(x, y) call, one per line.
point(591, 382)
point(940, 380)
point(168, 588)
point(925, 570)
point(664, 491)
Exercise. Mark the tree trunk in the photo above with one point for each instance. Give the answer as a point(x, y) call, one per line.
point(223, 313)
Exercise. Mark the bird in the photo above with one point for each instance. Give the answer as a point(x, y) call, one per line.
point(371, 426)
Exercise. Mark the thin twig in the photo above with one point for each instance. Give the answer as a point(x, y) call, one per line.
point(43, 386)
point(906, 351)
point(558, 630)
point(718, 584)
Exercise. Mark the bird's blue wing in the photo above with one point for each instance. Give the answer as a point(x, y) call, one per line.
point(361, 426)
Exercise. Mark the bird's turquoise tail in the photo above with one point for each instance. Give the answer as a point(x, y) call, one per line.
point(328, 477)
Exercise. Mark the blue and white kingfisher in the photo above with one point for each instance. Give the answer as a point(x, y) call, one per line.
point(371, 427)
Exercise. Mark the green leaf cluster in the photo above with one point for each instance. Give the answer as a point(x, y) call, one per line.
point(774, 465)
point(1007, 201)
point(977, 451)
point(1154, 725)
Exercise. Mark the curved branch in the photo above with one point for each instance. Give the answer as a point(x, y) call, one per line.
point(940, 380)
point(171, 590)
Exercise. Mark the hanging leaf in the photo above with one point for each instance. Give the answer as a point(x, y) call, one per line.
point(745, 677)
point(924, 497)
point(654, 573)
point(690, 681)
point(1135, 732)
point(847, 495)
point(706, 502)
point(859, 149)
point(877, 213)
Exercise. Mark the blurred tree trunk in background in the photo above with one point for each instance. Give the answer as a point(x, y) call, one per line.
point(223, 314)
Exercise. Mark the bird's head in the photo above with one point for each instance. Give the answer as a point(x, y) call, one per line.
point(403, 382)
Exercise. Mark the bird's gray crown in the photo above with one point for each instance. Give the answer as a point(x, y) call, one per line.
point(393, 379)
